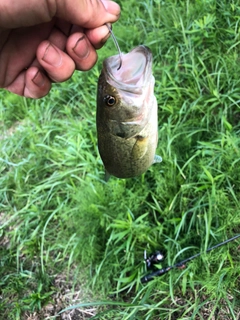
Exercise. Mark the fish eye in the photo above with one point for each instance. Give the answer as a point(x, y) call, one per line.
point(109, 100)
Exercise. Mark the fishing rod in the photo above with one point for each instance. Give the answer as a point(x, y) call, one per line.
point(157, 257)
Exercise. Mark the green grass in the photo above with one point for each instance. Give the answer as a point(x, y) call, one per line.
point(63, 229)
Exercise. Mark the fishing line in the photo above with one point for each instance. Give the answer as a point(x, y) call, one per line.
point(117, 46)
point(154, 259)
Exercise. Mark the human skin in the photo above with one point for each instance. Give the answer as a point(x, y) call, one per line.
point(45, 41)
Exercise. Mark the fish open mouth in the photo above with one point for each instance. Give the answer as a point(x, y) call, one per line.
point(135, 69)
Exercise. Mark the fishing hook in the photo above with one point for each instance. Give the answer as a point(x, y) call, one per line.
point(116, 44)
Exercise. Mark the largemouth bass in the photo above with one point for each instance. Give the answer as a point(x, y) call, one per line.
point(127, 125)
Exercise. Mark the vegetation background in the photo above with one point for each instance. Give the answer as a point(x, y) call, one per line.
point(67, 238)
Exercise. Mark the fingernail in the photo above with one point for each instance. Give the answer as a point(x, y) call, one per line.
point(38, 79)
point(112, 7)
point(52, 56)
point(81, 48)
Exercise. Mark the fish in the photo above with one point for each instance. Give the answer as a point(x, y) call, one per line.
point(127, 114)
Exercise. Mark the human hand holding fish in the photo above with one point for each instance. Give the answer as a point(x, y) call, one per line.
point(45, 41)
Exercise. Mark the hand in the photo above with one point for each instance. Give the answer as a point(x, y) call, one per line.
point(45, 41)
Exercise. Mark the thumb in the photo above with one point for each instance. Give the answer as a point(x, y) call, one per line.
point(85, 13)
point(88, 13)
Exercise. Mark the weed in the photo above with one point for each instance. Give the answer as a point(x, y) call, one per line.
point(58, 217)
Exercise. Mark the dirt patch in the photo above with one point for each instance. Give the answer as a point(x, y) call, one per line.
point(65, 291)
point(10, 131)
point(64, 297)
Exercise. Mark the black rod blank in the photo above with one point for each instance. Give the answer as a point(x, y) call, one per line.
point(181, 264)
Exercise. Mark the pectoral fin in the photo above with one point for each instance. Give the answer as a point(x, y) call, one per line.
point(157, 159)
point(140, 147)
